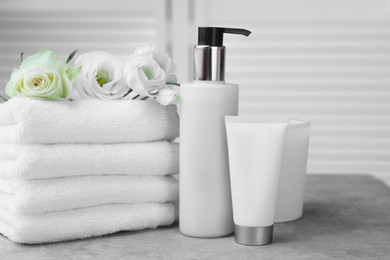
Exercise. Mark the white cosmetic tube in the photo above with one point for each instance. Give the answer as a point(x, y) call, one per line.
point(255, 147)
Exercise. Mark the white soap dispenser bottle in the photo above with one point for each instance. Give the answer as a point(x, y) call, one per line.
point(205, 198)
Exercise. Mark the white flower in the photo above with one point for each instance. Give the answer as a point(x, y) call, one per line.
point(143, 75)
point(101, 76)
point(168, 95)
point(161, 57)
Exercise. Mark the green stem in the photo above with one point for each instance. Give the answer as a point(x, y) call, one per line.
point(173, 83)
point(3, 98)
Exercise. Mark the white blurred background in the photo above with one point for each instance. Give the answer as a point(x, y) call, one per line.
point(327, 61)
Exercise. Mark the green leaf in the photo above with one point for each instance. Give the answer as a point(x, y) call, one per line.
point(21, 57)
point(71, 56)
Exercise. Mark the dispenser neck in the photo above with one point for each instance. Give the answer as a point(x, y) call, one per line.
point(209, 63)
point(210, 52)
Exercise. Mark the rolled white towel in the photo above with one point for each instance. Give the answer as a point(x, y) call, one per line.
point(86, 121)
point(38, 161)
point(84, 222)
point(38, 196)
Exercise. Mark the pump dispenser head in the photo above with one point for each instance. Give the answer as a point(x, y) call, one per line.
point(210, 52)
point(213, 36)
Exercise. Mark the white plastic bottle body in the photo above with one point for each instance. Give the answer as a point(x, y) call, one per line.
point(205, 196)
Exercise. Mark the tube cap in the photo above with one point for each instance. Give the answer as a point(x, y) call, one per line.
point(253, 236)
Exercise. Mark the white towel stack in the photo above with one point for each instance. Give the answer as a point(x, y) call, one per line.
point(76, 169)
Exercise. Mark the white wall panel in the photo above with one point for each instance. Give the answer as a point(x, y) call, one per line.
point(324, 60)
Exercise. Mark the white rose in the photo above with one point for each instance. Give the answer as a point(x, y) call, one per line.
point(101, 76)
point(168, 95)
point(161, 57)
point(143, 75)
point(42, 76)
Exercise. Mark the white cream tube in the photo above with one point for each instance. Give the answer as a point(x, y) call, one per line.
point(255, 148)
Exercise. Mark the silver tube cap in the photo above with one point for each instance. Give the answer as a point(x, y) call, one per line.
point(253, 236)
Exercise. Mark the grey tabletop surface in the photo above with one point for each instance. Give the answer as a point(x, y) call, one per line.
point(345, 217)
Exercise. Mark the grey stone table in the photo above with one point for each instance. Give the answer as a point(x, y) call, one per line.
point(345, 217)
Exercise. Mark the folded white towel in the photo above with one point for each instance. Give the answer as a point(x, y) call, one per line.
point(36, 161)
point(37, 196)
point(84, 222)
point(86, 121)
